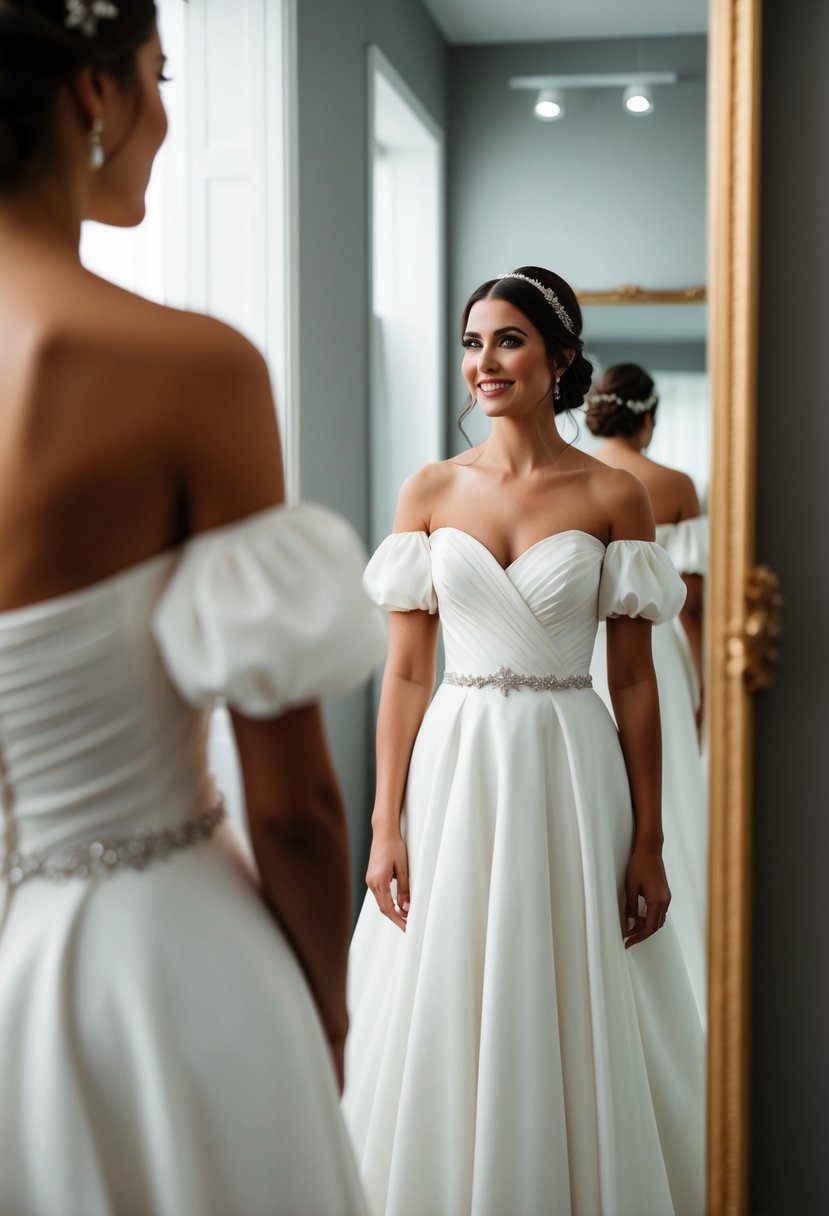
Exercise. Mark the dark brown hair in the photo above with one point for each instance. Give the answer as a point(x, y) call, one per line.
point(628, 382)
point(39, 54)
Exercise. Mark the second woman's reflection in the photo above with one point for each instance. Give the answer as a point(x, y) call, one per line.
point(622, 408)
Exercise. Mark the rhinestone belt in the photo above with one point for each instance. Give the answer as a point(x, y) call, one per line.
point(505, 680)
point(103, 856)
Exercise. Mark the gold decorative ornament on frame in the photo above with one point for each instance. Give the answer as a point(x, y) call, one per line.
point(763, 628)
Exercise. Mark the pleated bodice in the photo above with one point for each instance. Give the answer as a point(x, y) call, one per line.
point(94, 739)
point(537, 616)
point(104, 691)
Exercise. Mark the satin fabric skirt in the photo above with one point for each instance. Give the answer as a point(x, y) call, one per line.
point(160, 1054)
point(507, 1055)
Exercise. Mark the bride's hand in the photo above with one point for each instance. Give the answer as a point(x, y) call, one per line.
point(389, 860)
point(645, 879)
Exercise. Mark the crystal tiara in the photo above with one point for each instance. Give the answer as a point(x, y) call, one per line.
point(85, 15)
point(548, 294)
point(635, 407)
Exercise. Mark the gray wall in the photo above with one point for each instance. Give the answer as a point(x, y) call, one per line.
point(790, 1057)
point(333, 178)
point(665, 356)
point(600, 197)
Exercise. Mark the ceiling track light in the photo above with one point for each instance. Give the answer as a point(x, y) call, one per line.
point(637, 100)
point(637, 97)
point(549, 105)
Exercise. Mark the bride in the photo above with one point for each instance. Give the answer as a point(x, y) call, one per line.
point(507, 1053)
point(171, 1023)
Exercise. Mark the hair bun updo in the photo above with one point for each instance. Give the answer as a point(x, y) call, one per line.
point(574, 384)
point(619, 401)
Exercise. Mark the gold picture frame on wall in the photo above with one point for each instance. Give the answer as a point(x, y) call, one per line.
point(734, 185)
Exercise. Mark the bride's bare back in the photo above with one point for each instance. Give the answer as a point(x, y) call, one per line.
point(124, 426)
point(672, 494)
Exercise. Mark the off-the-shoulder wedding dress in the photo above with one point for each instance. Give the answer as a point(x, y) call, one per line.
point(160, 1053)
point(507, 1056)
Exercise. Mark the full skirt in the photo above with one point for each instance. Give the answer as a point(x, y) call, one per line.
point(507, 1055)
point(160, 1054)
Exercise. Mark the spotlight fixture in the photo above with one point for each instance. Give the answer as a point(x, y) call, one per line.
point(637, 96)
point(638, 100)
point(549, 105)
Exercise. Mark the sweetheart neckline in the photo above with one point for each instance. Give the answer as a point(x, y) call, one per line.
point(506, 569)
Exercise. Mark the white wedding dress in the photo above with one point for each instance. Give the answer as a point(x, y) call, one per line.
point(160, 1053)
point(684, 797)
point(507, 1056)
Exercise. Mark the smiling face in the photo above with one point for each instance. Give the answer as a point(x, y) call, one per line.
point(135, 127)
point(505, 362)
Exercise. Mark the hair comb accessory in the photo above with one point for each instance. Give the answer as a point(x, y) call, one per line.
point(548, 294)
point(84, 15)
point(635, 407)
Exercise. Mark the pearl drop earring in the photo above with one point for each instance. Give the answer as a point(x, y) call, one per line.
point(96, 150)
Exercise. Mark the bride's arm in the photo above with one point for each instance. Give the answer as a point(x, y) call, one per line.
point(691, 618)
point(633, 692)
point(408, 681)
point(407, 687)
point(691, 613)
point(299, 836)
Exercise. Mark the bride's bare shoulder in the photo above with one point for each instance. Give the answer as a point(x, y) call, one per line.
point(183, 390)
point(624, 502)
point(420, 494)
point(170, 335)
point(169, 362)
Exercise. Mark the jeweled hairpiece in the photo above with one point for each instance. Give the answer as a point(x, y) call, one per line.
point(548, 294)
point(84, 15)
point(635, 407)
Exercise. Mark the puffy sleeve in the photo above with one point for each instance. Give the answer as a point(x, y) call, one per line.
point(270, 613)
point(639, 580)
point(399, 575)
point(686, 544)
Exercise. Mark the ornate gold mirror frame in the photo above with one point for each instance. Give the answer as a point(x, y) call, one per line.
point(734, 618)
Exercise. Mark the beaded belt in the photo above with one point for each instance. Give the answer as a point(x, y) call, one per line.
point(505, 680)
point(103, 856)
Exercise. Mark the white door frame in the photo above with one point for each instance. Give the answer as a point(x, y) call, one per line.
point(379, 65)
